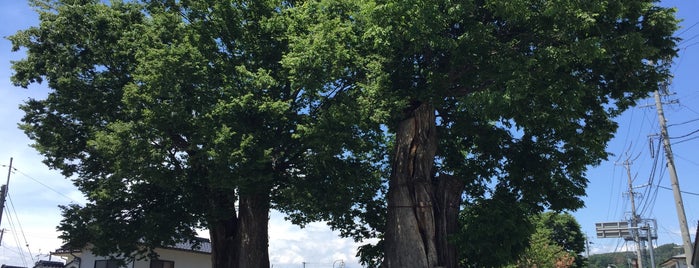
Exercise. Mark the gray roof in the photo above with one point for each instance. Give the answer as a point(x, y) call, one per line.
point(48, 264)
point(198, 245)
point(201, 245)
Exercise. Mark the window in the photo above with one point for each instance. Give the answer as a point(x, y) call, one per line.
point(108, 264)
point(161, 264)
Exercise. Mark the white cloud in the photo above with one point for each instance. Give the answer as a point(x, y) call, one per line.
point(315, 245)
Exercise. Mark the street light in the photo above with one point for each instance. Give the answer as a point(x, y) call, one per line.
point(342, 263)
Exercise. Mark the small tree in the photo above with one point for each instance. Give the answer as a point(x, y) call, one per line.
point(556, 243)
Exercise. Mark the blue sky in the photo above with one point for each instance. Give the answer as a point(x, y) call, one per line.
point(605, 201)
point(36, 192)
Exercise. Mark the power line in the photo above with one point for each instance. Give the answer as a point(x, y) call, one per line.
point(690, 45)
point(688, 39)
point(685, 122)
point(685, 140)
point(685, 135)
point(10, 222)
point(21, 230)
point(688, 28)
point(685, 159)
point(49, 187)
point(689, 108)
point(649, 201)
point(684, 192)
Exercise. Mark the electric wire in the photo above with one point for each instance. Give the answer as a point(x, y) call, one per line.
point(13, 218)
point(688, 108)
point(653, 197)
point(49, 187)
point(611, 189)
point(611, 194)
point(21, 230)
point(683, 123)
point(688, 28)
point(688, 39)
point(628, 130)
point(630, 148)
point(654, 173)
point(684, 192)
point(690, 45)
point(680, 57)
point(649, 204)
point(11, 249)
point(649, 198)
point(685, 159)
point(685, 135)
point(686, 140)
point(661, 176)
point(10, 222)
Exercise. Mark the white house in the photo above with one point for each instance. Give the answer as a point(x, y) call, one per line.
point(182, 255)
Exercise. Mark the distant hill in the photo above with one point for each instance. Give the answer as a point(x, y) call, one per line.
point(661, 254)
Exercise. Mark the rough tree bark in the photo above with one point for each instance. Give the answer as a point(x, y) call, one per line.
point(241, 241)
point(422, 209)
point(254, 224)
point(223, 232)
point(410, 226)
point(447, 206)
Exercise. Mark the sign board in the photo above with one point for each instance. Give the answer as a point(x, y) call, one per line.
point(612, 229)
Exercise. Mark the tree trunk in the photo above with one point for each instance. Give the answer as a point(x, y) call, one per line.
point(410, 226)
point(240, 241)
point(223, 243)
point(254, 224)
point(447, 206)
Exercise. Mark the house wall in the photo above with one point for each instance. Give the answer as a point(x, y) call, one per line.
point(182, 259)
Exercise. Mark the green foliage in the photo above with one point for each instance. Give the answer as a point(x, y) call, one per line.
point(563, 233)
point(566, 233)
point(494, 233)
point(525, 91)
point(166, 112)
point(542, 251)
point(186, 105)
point(501, 235)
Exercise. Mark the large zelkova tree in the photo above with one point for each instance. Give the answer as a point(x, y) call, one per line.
point(494, 104)
point(174, 116)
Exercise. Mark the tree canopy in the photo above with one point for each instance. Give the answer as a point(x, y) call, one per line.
point(177, 115)
point(488, 102)
point(213, 112)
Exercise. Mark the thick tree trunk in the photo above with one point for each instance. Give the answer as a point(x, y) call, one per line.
point(410, 226)
point(447, 206)
point(223, 243)
point(254, 225)
point(241, 241)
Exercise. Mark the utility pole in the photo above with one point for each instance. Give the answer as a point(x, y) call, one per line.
point(649, 235)
point(3, 190)
point(587, 246)
point(682, 218)
point(634, 218)
point(3, 194)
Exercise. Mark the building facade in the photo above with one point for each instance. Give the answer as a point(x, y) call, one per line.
point(182, 255)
